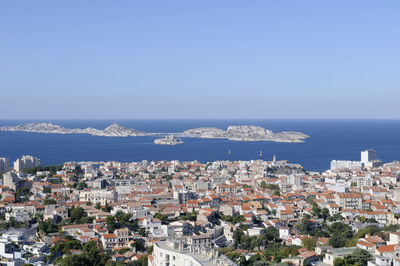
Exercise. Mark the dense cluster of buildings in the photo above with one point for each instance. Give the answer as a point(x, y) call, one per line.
point(187, 211)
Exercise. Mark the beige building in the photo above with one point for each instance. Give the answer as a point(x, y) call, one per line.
point(101, 196)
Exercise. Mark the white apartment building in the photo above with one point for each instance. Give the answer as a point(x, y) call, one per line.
point(27, 161)
point(337, 164)
point(11, 180)
point(136, 210)
point(177, 252)
point(295, 180)
point(4, 164)
point(368, 155)
point(364, 181)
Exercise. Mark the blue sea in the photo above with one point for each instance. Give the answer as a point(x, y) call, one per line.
point(329, 140)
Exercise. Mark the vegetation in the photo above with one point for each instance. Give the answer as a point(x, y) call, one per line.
point(340, 234)
point(191, 216)
point(47, 227)
point(23, 194)
point(12, 223)
point(161, 217)
point(238, 219)
point(52, 169)
point(121, 220)
point(49, 201)
point(309, 243)
point(92, 254)
point(82, 185)
point(79, 216)
point(359, 257)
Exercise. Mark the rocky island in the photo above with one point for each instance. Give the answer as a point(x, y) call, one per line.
point(235, 133)
point(168, 140)
point(114, 130)
point(246, 133)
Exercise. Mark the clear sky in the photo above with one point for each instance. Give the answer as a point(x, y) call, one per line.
point(199, 59)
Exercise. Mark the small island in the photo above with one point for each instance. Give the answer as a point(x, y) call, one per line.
point(168, 140)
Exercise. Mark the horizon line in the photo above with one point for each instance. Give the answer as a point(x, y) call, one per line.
point(47, 119)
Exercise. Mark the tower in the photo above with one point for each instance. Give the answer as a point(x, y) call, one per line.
point(368, 155)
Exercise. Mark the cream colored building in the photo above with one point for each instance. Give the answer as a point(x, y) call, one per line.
point(101, 196)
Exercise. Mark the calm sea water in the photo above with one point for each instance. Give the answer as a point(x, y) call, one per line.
point(329, 140)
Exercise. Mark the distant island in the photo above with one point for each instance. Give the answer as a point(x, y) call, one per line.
point(114, 130)
point(234, 133)
point(168, 140)
point(246, 133)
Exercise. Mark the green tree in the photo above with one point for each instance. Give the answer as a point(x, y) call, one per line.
point(305, 226)
point(23, 194)
point(91, 255)
point(316, 211)
point(47, 190)
point(263, 185)
point(361, 257)
point(161, 217)
point(82, 185)
point(49, 201)
point(111, 224)
point(325, 214)
point(139, 245)
point(238, 219)
point(47, 227)
point(76, 214)
point(272, 234)
point(309, 243)
point(237, 236)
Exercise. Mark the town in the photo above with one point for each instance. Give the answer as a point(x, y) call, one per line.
point(189, 213)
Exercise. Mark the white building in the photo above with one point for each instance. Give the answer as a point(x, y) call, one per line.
point(27, 161)
point(176, 252)
point(337, 164)
point(366, 181)
point(9, 251)
point(11, 180)
point(295, 180)
point(368, 155)
point(4, 164)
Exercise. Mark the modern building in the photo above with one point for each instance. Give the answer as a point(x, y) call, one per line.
point(193, 252)
point(295, 179)
point(11, 180)
point(368, 155)
point(27, 161)
point(337, 164)
point(4, 164)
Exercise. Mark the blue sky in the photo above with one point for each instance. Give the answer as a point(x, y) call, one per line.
point(199, 59)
